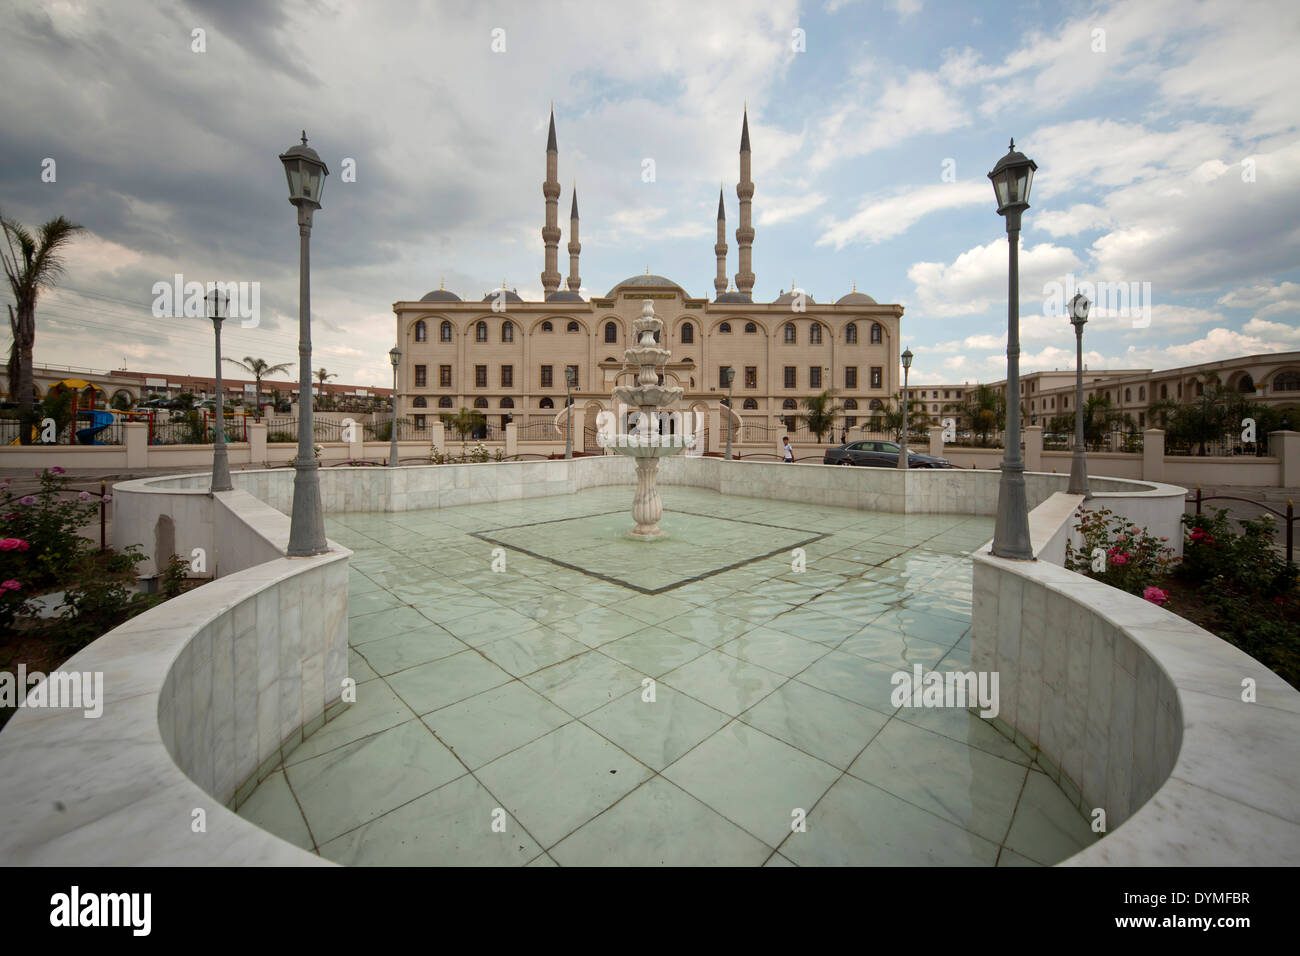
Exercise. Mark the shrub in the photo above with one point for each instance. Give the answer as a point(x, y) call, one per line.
point(1130, 558)
point(1213, 554)
point(47, 522)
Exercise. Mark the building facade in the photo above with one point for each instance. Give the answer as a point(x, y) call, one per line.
point(508, 358)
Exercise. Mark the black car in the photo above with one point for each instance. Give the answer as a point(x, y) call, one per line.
point(879, 454)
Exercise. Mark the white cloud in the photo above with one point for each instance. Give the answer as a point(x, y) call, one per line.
point(1265, 300)
point(775, 209)
point(1081, 217)
point(881, 219)
point(977, 279)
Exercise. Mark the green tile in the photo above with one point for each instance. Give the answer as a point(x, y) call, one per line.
point(427, 687)
point(816, 722)
point(724, 682)
point(655, 732)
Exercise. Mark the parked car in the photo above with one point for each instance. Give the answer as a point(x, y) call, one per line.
point(879, 454)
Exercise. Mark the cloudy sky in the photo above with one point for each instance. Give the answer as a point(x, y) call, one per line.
point(1165, 135)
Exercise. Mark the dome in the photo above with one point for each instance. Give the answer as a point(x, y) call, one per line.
point(785, 298)
point(440, 295)
point(564, 295)
point(510, 296)
point(734, 297)
point(647, 280)
point(855, 298)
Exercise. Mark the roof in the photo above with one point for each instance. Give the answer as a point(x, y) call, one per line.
point(647, 280)
point(510, 296)
point(856, 298)
point(564, 295)
point(440, 295)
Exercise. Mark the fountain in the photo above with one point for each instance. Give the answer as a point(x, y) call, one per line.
point(647, 443)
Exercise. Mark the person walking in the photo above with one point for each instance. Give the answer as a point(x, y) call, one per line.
point(844, 436)
point(787, 450)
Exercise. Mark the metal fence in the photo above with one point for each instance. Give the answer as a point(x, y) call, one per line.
point(540, 431)
point(1228, 447)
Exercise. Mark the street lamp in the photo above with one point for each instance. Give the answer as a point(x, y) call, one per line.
point(730, 376)
point(395, 355)
point(902, 446)
point(1012, 178)
point(218, 302)
point(1078, 462)
point(570, 374)
point(306, 174)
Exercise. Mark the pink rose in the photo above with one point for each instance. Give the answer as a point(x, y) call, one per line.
point(13, 544)
point(1155, 595)
point(9, 585)
point(27, 500)
point(84, 496)
point(1119, 559)
point(56, 470)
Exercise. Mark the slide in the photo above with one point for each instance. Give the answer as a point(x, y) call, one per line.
point(99, 421)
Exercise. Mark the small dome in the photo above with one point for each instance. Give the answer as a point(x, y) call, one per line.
point(440, 295)
point(564, 295)
point(510, 296)
point(855, 298)
point(647, 280)
point(785, 298)
point(734, 297)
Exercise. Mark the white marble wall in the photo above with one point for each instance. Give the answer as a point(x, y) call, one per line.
point(1136, 711)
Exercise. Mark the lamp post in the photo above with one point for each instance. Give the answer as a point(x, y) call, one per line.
point(306, 174)
point(1012, 178)
point(730, 377)
point(395, 356)
point(902, 446)
point(569, 375)
point(1078, 461)
point(218, 302)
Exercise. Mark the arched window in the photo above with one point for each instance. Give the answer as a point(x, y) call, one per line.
point(1128, 394)
point(611, 332)
point(790, 335)
point(1200, 390)
point(546, 403)
point(444, 402)
point(444, 332)
point(815, 334)
point(751, 405)
point(421, 331)
point(725, 327)
point(1142, 393)
point(1164, 391)
point(480, 402)
point(788, 404)
point(1247, 384)
point(507, 331)
point(419, 402)
point(480, 332)
point(877, 333)
point(573, 327)
point(850, 404)
point(507, 403)
point(851, 334)
point(751, 327)
point(688, 333)
point(876, 405)
point(1288, 381)
point(547, 327)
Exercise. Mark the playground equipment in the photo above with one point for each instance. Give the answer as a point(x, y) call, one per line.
point(99, 421)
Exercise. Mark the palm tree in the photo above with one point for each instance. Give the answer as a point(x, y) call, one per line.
point(31, 264)
point(984, 412)
point(258, 368)
point(322, 377)
point(891, 419)
point(464, 423)
point(820, 417)
point(1099, 419)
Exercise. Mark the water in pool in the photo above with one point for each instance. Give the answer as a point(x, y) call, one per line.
point(536, 688)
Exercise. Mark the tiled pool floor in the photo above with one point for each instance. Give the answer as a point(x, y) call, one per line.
point(502, 715)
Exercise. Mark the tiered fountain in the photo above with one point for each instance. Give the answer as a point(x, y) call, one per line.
point(647, 443)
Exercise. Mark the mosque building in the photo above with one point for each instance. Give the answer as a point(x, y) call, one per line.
point(509, 357)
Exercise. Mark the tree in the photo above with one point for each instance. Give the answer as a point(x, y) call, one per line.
point(31, 263)
point(258, 368)
point(1100, 419)
point(984, 412)
point(891, 419)
point(465, 422)
point(1203, 419)
point(820, 417)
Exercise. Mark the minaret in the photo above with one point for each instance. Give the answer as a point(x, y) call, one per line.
point(551, 231)
point(575, 247)
point(720, 283)
point(745, 234)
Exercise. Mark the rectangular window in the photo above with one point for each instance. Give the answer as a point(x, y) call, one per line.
point(507, 376)
point(790, 377)
point(876, 371)
point(851, 377)
point(723, 372)
point(480, 376)
point(419, 422)
point(421, 376)
point(547, 381)
point(571, 374)
point(850, 421)
point(444, 376)
point(751, 376)
point(814, 376)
